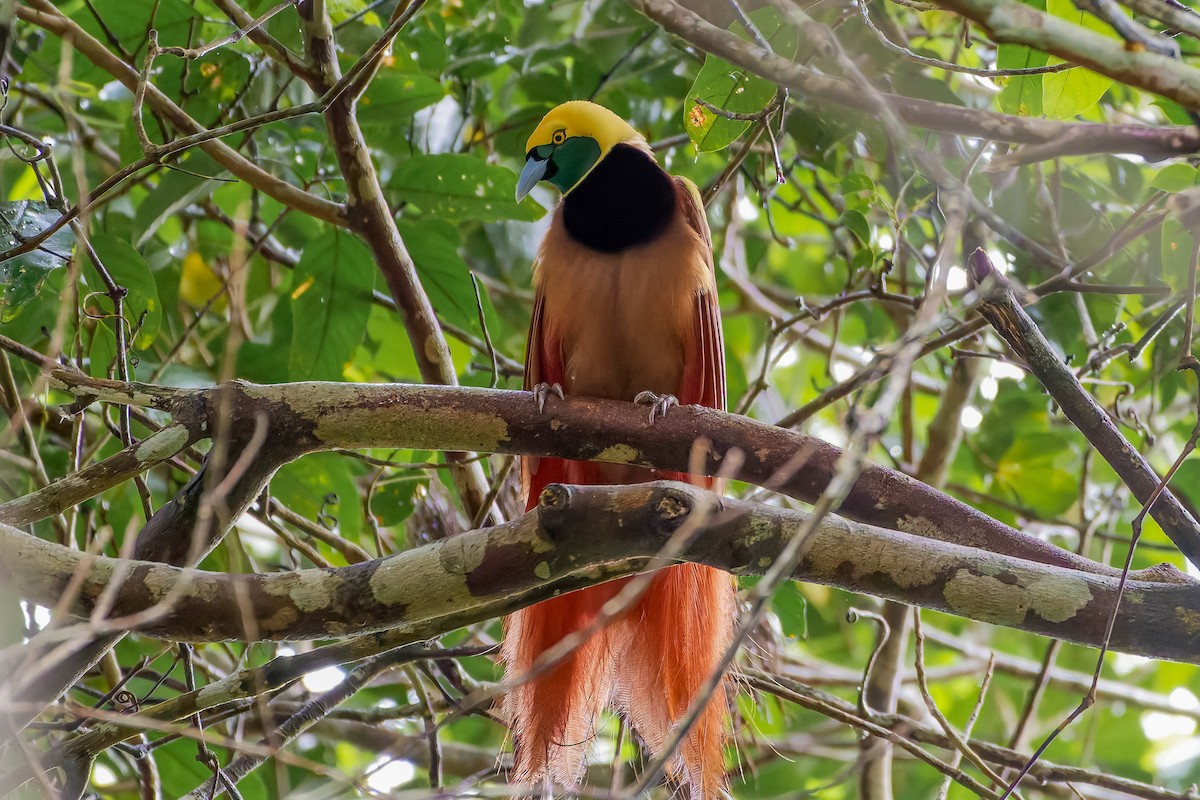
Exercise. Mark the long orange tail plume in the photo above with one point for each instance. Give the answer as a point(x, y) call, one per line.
point(652, 662)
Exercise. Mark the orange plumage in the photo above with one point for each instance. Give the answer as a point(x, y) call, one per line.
point(625, 303)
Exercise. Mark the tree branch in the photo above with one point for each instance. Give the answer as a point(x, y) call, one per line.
point(1008, 21)
point(1000, 307)
point(1084, 138)
point(268, 43)
point(913, 730)
point(371, 218)
point(312, 417)
point(95, 478)
point(581, 536)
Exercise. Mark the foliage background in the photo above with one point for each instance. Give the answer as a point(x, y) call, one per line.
point(815, 263)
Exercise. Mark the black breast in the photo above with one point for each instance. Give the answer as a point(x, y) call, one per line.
point(626, 201)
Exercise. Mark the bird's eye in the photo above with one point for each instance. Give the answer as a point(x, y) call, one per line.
point(559, 137)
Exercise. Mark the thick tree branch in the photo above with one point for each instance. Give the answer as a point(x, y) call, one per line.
point(581, 536)
point(371, 218)
point(1000, 307)
point(248, 450)
point(1074, 138)
point(1008, 21)
point(310, 417)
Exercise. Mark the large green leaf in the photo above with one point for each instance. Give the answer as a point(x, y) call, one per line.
point(321, 487)
point(330, 304)
point(394, 97)
point(1176, 178)
point(1070, 93)
point(731, 88)
point(1038, 471)
point(456, 187)
point(176, 190)
point(1022, 94)
point(434, 248)
point(21, 277)
point(128, 20)
point(129, 271)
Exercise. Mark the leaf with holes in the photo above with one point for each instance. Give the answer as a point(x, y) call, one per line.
point(732, 89)
point(21, 277)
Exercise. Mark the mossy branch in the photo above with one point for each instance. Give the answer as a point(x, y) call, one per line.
point(312, 417)
point(581, 536)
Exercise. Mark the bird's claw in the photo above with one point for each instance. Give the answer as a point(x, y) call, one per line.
point(659, 404)
point(541, 390)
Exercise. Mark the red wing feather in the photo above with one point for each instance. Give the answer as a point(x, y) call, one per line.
point(543, 364)
point(704, 364)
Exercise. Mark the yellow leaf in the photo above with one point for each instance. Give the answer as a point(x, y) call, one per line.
point(198, 283)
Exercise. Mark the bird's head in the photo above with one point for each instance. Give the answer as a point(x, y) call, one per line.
point(569, 142)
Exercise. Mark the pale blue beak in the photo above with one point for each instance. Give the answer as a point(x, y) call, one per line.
point(533, 171)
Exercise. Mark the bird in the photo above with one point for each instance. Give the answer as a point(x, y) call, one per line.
point(626, 308)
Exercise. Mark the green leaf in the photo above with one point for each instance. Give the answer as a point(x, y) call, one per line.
point(857, 182)
point(857, 224)
point(1174, 112)
point(792, 609)
point(394, 97)
point(179, 768)
point(731, 88)
point(1176, 244)
point(103, 350)
point(330, 304)
point(392, 360)
point(176, 190)
point(455, 187)
point(1070, 93)
point(321, 486)
point(128, 21)
point(220, 75)
point(267, 362)
point(21, 277)
point(1176, 178)
point(393, 501)
point(131, 272)
point(1187, 481)
point(433, 245)
point(1039, 470)
point(1022, 94)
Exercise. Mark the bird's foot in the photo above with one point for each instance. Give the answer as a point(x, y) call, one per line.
point(659, 403)
point(542, 390)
